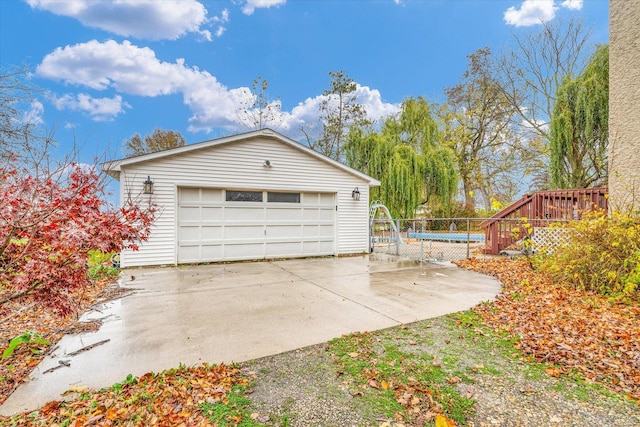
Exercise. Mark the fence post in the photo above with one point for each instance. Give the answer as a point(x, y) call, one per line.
point(468, 237)
point(398, 236)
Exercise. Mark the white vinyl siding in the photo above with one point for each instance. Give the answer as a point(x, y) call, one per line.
point(239, 165)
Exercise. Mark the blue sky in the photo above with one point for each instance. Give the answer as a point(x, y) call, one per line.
point(110, 69)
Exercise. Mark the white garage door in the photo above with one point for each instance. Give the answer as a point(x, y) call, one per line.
point(224, 225)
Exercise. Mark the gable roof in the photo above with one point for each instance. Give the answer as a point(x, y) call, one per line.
point(114, 167)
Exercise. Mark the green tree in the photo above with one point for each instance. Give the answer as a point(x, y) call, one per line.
point(159, 140)
point(259, 111)
point(405, 155)
point(580, 127)
point(478, 129)
point(339, 111)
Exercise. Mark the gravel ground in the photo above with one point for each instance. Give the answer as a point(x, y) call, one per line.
point(301, 388)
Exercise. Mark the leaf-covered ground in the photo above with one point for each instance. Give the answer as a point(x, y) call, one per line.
point(20, 316)
point(577, 331)
point(186, 396)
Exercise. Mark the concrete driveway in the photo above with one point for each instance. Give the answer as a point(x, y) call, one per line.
point(237, 312)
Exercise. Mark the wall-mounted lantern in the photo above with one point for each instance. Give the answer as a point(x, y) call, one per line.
point(355, 194)
point(148, 186)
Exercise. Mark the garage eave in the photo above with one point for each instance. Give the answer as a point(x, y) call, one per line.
point(113, 168)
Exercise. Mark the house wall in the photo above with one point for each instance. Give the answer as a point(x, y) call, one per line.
point(624, 102)
point(239, 165)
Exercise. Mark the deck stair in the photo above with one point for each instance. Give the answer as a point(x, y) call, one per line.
point(540, 209)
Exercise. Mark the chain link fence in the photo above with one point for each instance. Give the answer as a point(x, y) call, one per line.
point(450, 239)
point(430, 239)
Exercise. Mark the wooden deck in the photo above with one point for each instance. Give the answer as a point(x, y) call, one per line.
point(540, 209)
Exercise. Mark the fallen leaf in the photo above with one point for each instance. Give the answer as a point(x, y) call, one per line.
point(553, 372)
point(442, 421)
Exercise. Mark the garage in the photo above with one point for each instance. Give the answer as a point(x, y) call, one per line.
point(223, 224)
point(251, 196)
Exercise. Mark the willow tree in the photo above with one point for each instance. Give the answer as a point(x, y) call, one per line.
point(405, 155)
point(580, 127)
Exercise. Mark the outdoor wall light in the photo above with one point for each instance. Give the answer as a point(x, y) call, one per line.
point(267, 164)
point(355, 194)
point(148, 186)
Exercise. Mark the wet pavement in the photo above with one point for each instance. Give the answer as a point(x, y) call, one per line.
point(236, 312)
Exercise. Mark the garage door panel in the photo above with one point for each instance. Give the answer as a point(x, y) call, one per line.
point(310, 198)
point(326, 199)
point(242, 250)
point(189, 213)
point(310, 215)
point(325, 215)
point(189, 195)
point(191, 234)
point(244, 213)
point(325, 247)
point(189, 253)
point(283, 249)
point(212, 213)
point(283, 214)
point(211, 252)
point(284, 231)
point(310, 231)
point(255, 232)
point(310, 248)
point(212, 229)
point(211, 195)
point(213, 232)
point(326, 231)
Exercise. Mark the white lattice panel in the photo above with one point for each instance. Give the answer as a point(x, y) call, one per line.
point(547, 239)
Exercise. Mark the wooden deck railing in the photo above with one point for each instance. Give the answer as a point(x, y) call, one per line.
point(540, 208)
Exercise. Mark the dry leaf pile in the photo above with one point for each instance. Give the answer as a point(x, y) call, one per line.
point(567, 327)
point(170, 398)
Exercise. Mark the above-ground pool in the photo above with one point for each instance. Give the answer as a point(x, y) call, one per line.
point(459, 237)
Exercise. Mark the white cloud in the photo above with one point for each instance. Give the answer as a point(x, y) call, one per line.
point(220, 21)
point(306, 113)
point(376, 108)
point(133, 70)
point(33, 116)
point(100, 109)
point(531, 12)
point(572, 4)
point(123, 66)
point(251, 5)
point(136, 71)
point(144, 19)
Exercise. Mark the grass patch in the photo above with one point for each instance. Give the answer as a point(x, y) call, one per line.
point(232, 411)
point(396, 384)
